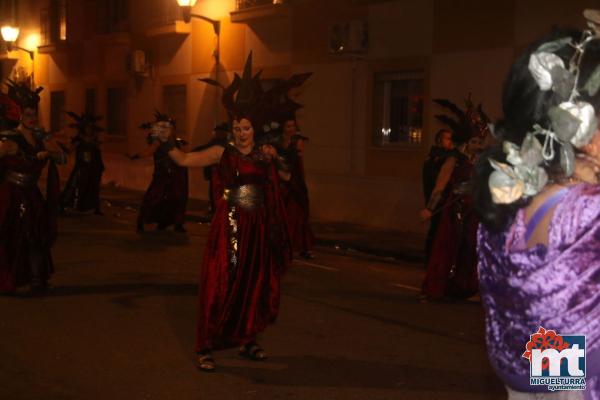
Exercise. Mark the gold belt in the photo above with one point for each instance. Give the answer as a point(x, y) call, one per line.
point(21, 179)
point(247, 197)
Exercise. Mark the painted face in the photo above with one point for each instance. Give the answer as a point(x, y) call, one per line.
point(162, 130)
point(243, 133)
point(29, 118)
point(290, 128)
point(446, 140)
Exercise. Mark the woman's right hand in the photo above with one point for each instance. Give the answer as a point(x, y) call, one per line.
point(425, 214)
point(8, 147)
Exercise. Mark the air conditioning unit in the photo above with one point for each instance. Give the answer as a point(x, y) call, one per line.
point(350, 37)
point(139, 63)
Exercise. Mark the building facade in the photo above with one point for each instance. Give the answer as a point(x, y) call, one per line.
point(377, 65)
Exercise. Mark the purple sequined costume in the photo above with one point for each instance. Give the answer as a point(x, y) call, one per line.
point(556, 287)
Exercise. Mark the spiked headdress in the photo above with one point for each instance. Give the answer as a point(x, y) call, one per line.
point(244, 96)
point(22, 94)
point(82, 122)
point(467, 124)
point(158, 117)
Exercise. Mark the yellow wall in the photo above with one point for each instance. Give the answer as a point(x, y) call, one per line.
point(463, 46)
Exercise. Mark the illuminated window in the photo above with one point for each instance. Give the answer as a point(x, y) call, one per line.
point(398, 108)
point(54, 23)
point(61, 9)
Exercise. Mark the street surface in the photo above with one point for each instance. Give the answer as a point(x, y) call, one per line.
point(119, 324)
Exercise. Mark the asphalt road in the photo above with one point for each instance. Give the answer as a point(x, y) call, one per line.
point(119, 324)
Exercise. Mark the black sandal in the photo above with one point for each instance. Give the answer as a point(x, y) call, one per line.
point(205, 362)
point(252, 351)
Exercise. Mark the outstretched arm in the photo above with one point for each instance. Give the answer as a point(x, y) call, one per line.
point(203, 158)
point(53, 151)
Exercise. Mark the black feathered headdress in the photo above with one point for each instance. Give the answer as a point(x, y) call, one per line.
point(472, 122)
point(83, 121)
point(158, 117)
point(22, 94)
point(243, 97)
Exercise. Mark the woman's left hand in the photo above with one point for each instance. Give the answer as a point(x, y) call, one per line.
point(42, 155)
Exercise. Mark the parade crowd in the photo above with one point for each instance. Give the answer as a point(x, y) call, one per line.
point(513, 207)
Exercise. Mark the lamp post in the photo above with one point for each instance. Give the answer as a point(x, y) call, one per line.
point(10, 35)
point(186, 8)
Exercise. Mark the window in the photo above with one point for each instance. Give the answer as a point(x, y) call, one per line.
point(116, 111)
point(112, 16)
point(53, 22)
point(90, 101)
point(398, 108)
point(57, 111)
point(175, 104)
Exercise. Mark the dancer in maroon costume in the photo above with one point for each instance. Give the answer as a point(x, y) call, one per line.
point(27, 219)
point(452, 266)
point(82, 191)
point(248, 245)
point(165, 201)
point(294, 191)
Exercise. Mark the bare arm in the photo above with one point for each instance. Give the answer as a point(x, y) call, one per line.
point(440, 184)
point(203, 158)
point(54, 151)
point(444, 175)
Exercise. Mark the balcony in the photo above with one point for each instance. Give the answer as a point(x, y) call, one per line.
point(166, 19)
point(249, 10)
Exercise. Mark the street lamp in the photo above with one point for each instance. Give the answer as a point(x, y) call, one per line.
point(9, 35)
point(186, 8)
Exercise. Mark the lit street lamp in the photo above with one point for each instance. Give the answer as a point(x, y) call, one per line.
point(10, 35)
point(186, 8)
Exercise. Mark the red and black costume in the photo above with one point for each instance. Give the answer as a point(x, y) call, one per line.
point(165, 200)
point(248, 247)
point(431, 168)
point(82, 191)
point(452, 265)
point(246, 253)
point(28, 226)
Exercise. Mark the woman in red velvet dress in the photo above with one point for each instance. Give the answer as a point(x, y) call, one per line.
point(247, 249)
point(27, 219)
point(295, 192)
